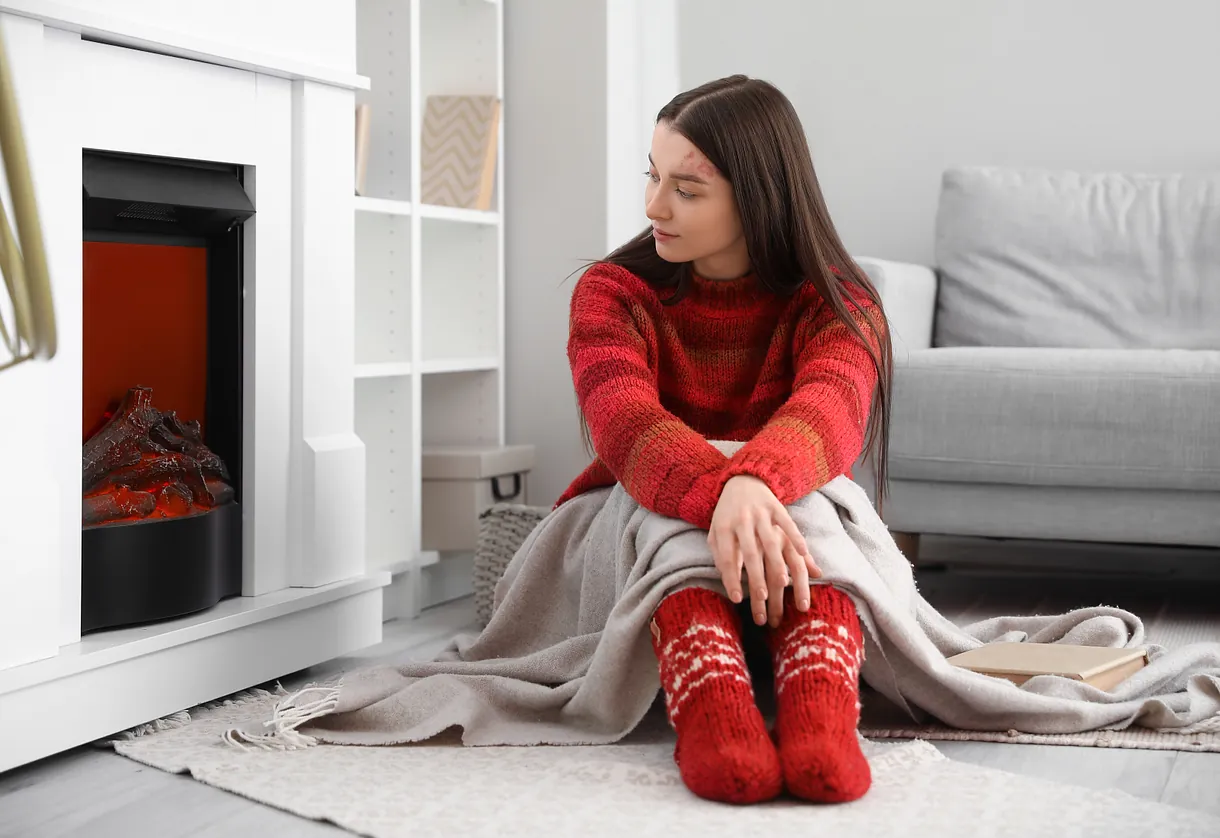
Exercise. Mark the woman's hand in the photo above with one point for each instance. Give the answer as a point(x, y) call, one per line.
point(752, 529)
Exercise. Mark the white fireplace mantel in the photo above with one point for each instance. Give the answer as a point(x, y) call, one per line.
point(310, 40)
point(131, 78)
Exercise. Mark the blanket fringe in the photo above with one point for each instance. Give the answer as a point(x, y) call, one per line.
point(290, 714)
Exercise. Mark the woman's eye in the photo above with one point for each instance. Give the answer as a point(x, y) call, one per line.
point(655, 178)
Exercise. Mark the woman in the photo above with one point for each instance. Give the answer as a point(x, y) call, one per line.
point(736, 318)
point(739, 316)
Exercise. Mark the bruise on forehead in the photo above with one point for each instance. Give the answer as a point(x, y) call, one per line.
point(695, 161)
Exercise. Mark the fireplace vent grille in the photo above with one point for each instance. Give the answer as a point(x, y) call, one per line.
point(149, 212)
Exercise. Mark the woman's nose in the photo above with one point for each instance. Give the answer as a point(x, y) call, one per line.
point(655, 206)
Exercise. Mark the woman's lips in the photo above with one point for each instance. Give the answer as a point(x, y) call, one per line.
point(661, 235)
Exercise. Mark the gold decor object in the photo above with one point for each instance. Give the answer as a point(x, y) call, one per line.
point(28, 287)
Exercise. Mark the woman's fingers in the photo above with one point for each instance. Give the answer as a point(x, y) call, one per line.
point(728, 561)
point(773, 541)
point(758, 550)
point(784, 521)
point(800, 574)
point(815, 572)
point(756, 573)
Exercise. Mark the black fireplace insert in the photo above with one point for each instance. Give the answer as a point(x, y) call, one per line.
point(162, 407)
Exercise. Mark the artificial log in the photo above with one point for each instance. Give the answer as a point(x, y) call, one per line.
point(123, 503)
point(221, 492)
point(186, 438)
point(119, 441)
point(147, 464)
point(156, 470)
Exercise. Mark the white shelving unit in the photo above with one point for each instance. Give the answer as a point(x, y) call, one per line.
point(429, 281)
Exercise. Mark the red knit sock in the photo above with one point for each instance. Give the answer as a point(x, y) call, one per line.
point(724, 752)
point(817, 656)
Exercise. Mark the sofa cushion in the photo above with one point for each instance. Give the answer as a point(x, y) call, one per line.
point(1140, 419)
point(1065, 259)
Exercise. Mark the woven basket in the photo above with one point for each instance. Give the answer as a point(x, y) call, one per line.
point(502, 529)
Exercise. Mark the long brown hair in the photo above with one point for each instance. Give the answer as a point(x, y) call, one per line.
point(749, 130)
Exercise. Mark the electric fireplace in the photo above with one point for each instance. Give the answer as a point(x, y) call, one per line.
point(162, 387)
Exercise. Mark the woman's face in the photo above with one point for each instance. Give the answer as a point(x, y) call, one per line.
point(694, 217)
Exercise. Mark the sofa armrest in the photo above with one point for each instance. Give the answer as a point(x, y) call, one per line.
point(908, 293)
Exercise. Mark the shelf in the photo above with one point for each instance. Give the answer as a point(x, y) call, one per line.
point(465, 216)
point(449, 365)
point(396, 567)
point(384, 206)
point(439, 366)
point(392, 206)
point(388, 369)
point(429, 343)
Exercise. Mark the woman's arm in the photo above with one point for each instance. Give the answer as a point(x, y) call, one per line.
point(660, 461)
point(819, 432)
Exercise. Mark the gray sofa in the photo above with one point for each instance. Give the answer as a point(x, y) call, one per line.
point(1057, 373)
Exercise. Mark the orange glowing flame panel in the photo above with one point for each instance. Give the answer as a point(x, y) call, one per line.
point(145, 325)
point(145, 332)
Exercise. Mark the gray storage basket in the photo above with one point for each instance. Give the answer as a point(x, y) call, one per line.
point(503, 528)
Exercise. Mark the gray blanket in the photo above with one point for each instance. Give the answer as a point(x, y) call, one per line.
point(566, 657)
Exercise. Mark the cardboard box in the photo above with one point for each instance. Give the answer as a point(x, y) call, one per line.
point(459, 482)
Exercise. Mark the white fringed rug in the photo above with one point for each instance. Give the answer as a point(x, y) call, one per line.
point(881, 720)
point(630, 788)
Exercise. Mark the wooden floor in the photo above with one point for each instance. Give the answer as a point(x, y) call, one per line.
point(94, 793)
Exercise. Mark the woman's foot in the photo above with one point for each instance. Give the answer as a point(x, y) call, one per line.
point(724, 752)
point(816, 657)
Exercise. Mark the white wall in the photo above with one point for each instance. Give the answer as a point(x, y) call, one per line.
point(583, 82)
point(891, 93)
point(641, 76)
point(317, 32)
point(555, 216)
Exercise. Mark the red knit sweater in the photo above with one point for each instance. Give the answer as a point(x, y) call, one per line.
point(731, 361)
